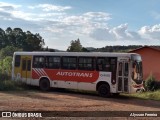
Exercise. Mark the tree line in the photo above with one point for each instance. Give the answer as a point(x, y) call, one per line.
point(75, 46)
point(17, 38)
point(117, 48)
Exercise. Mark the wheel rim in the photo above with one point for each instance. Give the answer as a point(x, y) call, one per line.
point(104, 90)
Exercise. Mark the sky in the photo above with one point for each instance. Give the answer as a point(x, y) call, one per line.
point(97, 23)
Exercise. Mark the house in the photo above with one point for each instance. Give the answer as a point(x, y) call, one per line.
point(151, 61)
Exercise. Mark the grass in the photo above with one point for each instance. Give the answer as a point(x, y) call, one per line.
point(149, 95)
point(10, 85)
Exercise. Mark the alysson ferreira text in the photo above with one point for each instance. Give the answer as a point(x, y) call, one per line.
point(143, 115)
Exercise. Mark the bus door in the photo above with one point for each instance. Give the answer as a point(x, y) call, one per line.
point(123, 74)
point(26, 69)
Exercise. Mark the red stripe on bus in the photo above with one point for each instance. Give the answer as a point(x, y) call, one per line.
point(70, 75)
point(35, 74)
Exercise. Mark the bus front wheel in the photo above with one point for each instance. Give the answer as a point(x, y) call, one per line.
point(44, 84)
point(104, 90)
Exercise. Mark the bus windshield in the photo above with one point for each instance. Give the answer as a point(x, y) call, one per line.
point(137, 73)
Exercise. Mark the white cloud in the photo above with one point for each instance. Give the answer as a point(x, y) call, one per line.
point(150, 32)
point(8, 6)
point(120, 31)
point(102, 34)
point(121, 34)
point(74, 20)
point(23, 15)
point(114, 34)
point(51, 7)
point(98, 16)
point(12, 12)
point(85, 23)
point(9, 11)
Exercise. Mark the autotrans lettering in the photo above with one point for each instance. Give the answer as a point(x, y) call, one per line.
point(76, 74)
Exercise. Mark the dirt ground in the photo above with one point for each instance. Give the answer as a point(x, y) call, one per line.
point(66, 100)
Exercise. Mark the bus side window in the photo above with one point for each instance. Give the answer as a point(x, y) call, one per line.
point(86, 63)
point(100, 64)
point(69, 63)
point(113, 63)
point(17, 60)
point(38, 62)
point(103, 64)
point(52, 62)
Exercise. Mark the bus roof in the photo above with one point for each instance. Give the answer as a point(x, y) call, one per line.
point(98, 54)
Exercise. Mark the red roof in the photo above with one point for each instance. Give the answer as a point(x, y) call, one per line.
point(151, 47)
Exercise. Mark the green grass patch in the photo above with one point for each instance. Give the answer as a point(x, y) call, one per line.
point(149, 95)
point(8, 85)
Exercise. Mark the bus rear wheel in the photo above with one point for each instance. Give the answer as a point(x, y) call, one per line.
point(44, 84)
point(104, 90)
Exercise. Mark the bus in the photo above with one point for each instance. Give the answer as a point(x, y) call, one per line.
point(106, 73)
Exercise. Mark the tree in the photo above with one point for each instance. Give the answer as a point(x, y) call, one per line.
point(7, 51)
point(7, 64)
point(2, 38)
point(10, 38)
point(33, 42)
point(16, 37)
point(75, 46)
point(84, 49)
point(20, 37)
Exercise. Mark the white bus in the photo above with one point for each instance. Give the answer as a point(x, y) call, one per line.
point(106, 73)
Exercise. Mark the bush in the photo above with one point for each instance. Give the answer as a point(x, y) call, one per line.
point(150, 95)
point(151, 84)
point(7, 85)
point(4, 76)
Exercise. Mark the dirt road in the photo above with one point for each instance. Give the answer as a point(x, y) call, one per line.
point(64, 100)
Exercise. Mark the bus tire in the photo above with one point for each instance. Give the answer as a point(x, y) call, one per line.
point(44, 84)
point(104, 90)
